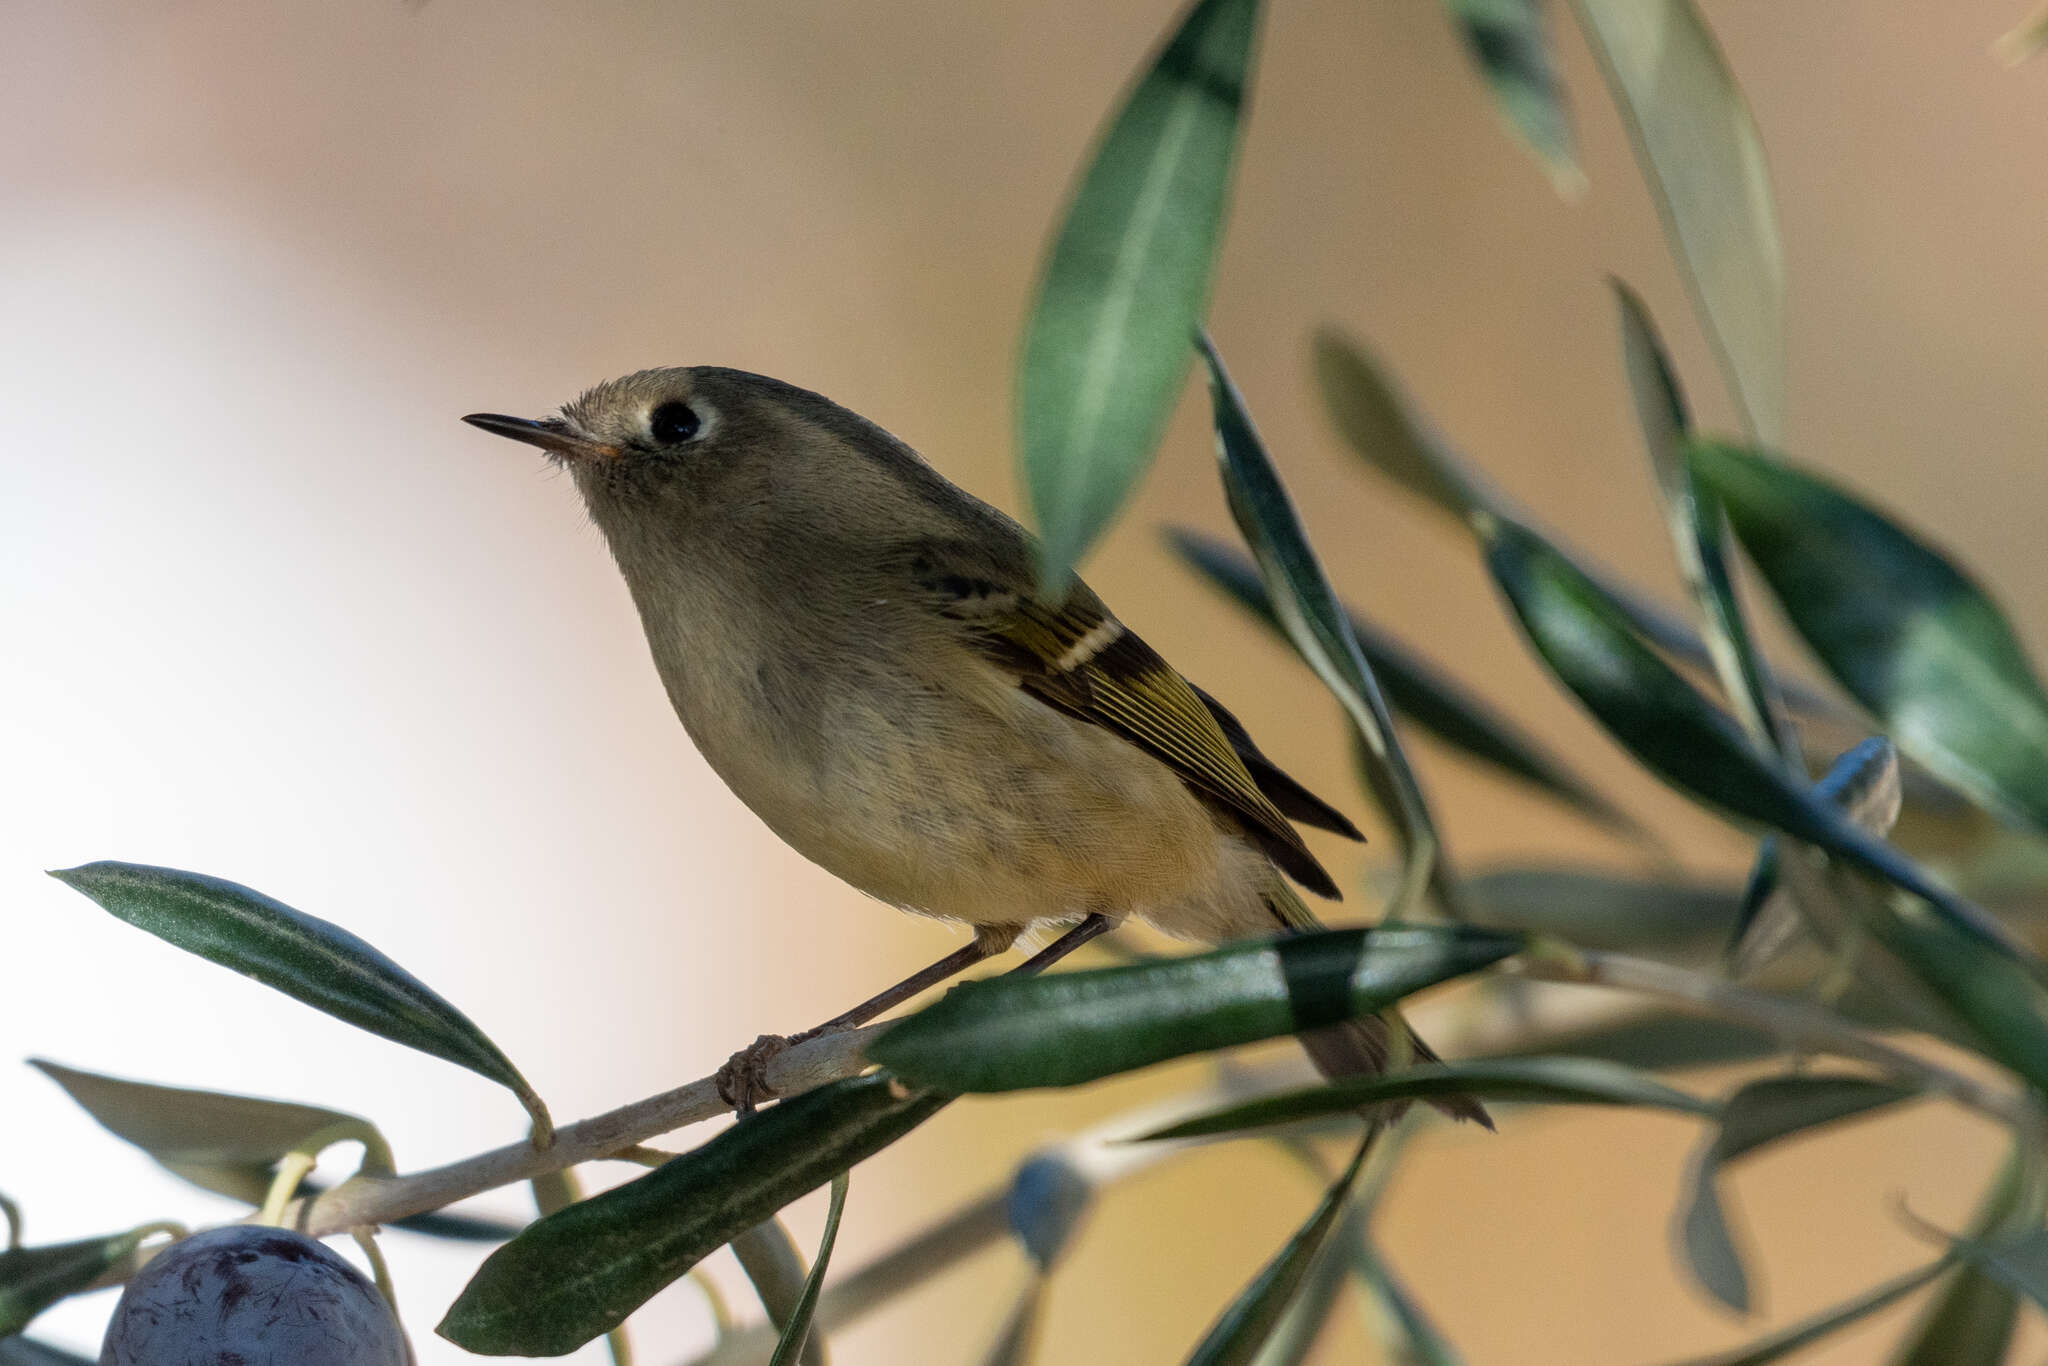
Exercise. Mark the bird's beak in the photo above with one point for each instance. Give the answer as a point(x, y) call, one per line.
point(550, 434)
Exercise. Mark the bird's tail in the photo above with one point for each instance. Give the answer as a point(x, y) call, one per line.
point(1368, 1046)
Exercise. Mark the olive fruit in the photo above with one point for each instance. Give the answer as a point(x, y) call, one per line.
point(255, 1296)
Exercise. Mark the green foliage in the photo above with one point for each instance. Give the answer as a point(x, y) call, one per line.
point(1010, 1033)
point(1120, 302)
point(309, 959)
point(1127, 282)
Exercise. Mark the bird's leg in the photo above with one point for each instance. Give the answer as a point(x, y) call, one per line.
point(741, 1083)
point(1095, 923)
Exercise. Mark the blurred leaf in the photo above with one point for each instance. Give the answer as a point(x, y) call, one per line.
point(1970, 1323)
point(1600, 910)
point(1236, 1337)
point(1549, 1081)
point(628, 1242)
point(1294, 1337)
point(1018, 1337)
point(2002, 1001)
point(1762, 1113)
point(1510, 40)
point(11, 1212)
point(1127, 282)
point(1697, 527)
point(1675, 732)
point(768, 1254)
point(1377, 420)
point(1009, 1033)
point(1865, 784)
point(34, 1278)
point(1656, 1041)
point(29, 1352)
point(796, 1333)
point(1906, 632)
point(1046, 1201)
point(1412, 1338)
point(1700, 153)
point(309, 959)
point(2029, 37)
point(1417, 689)
point(1316, 622)
point(185, 1128)
point(1797, 1337)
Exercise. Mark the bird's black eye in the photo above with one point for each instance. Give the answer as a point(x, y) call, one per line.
point(671, 424)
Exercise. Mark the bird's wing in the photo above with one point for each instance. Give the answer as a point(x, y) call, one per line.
point(1295, 801)
point(1078, 658)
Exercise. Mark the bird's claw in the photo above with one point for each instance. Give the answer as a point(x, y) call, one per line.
point(743, 1082)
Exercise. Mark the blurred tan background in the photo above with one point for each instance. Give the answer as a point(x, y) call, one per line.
point(276, 615)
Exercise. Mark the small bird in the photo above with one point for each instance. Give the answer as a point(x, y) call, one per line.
point(862, 651)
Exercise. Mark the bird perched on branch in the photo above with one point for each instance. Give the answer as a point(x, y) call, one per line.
point(862, 651)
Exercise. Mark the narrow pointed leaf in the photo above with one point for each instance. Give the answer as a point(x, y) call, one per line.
point(768, 1254)
point(1970, 1323)
point(309, 959)
point(1758, 1115)
point(34, 1278)
point(1009, 1033)
point(1600, 910)
point(1294, 1337)
point(1797, 1337)
point(1018, 1337)
point(1548, 1081)
point(1697, 526)
point(1127, 282)
point(1510, 40)
point(555, 1191)
point(1674, 731)
point(1375, 418)
point(1319, 627)
point(2003, 1002)
point(1701, 155)
point(1236, 1337)
point(182, 1127)
point(1655, 1041)
point(574, 1275)
point(796, 1334)
point(1903, 629)
point(1417, 689)
point(1414, 1338)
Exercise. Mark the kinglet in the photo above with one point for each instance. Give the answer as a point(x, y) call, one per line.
point(862, 652)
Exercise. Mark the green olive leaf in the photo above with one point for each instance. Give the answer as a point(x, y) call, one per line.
point(187, 1129)
point(1699, 151)
point(1010, 1033)
point(577, 1274)
point(1760, 1114)
point(306, 958)
point(1548, 1081)
point(1798, 1336)
point(1320, 630)
point(1698, 528)
point(1236, 1337)
point(796, 1334)
point(1376, 419)
point(34, 1278)
point(1127, 282)
point(1675, 732)
point(1903, 629)
point(1510, 40)
point(768, 1254)
point(1418, 689)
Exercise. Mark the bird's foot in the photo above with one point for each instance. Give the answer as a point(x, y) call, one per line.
point(743, 1081)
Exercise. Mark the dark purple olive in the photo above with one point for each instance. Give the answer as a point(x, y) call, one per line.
point(256, 1297)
